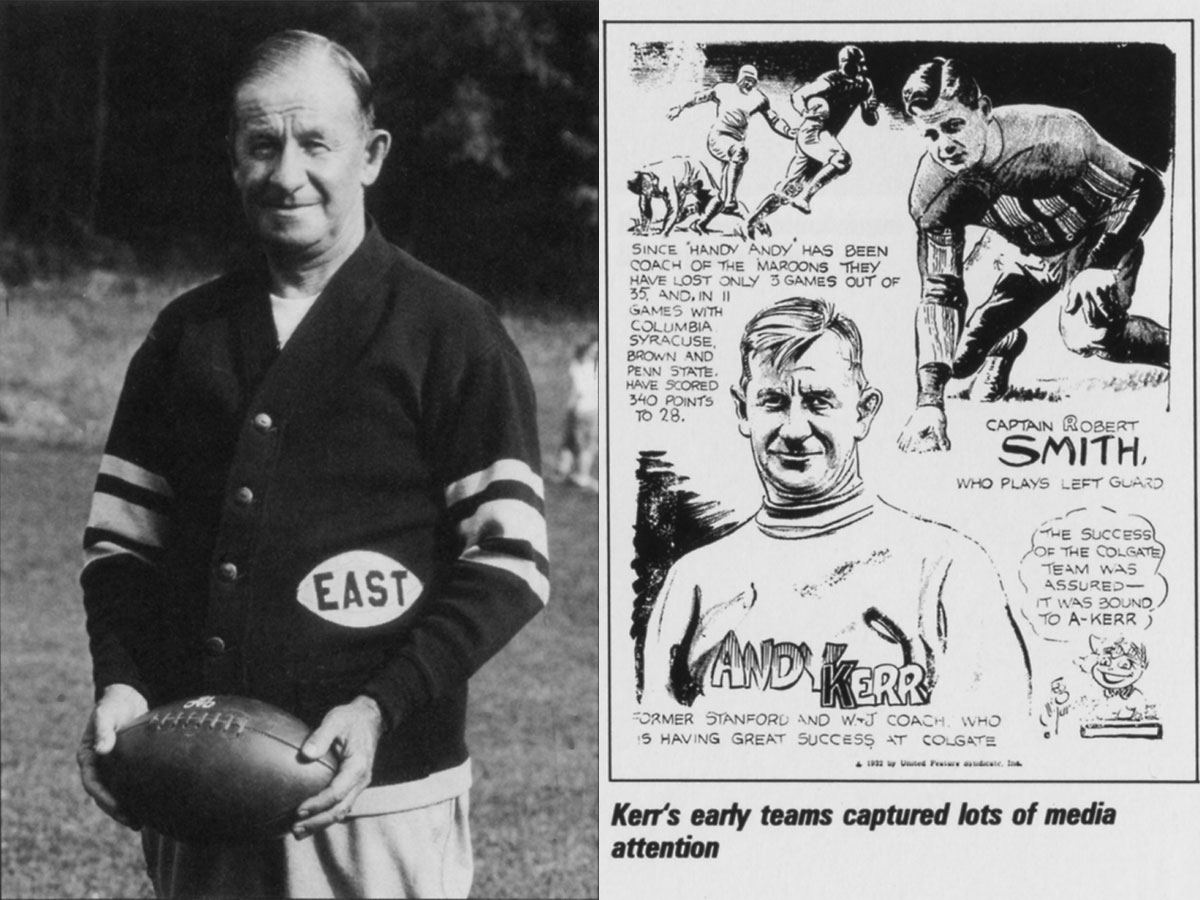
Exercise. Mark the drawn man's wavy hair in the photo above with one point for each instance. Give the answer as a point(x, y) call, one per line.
point(940, 79)
point(284, 49)
point(783, 331)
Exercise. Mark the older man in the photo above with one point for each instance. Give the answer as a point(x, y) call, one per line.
point(285, 434)
point(834, 598)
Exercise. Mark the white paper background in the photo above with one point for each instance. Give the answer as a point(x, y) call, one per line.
point(1142, 852)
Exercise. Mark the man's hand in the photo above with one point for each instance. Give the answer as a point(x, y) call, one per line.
point(1096, 293)
point(120, 705)
point(925, 431)
point(353, 732)
point(673, 112)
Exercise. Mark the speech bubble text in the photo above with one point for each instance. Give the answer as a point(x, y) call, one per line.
point(1092, 571)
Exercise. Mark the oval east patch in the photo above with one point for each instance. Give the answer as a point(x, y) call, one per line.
point(359, 589)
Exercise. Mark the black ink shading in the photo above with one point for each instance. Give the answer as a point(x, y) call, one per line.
point(686, 189)
point(1124, 96)
point(893, 633)
point(1126, 91)
point(824, 105)
point(671, 521)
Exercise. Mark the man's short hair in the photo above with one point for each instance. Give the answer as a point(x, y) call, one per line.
point(940, 79)
point(783, 331)
point(286, 48)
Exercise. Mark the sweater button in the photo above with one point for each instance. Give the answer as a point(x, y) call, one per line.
point(227, 571)
point(263, 422)
point(243, 496)
point(214, 646)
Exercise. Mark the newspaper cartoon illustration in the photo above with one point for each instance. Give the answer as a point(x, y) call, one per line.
point(810, 583)
point(1073, 205)
point(1056, 708)
point(824, 598)
point(1092, 577)
point(678, 182)
point(825, 105)
point(736, 104)
point(1113, 705)
point(1117, 666)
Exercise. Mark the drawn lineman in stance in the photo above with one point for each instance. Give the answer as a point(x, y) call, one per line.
point(674, 181)
point(736, 103)
point(827, 590)
point(825, 106)
point(1072, 204)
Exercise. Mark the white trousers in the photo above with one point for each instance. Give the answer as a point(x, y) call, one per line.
point(424, 852)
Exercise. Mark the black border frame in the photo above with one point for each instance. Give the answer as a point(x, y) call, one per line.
point(607, 563)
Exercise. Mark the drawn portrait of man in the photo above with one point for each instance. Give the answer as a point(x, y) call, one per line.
point(827, 594)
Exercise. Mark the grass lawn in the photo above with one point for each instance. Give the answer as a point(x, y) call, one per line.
point(532, 728)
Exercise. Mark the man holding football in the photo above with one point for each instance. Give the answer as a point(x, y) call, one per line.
point(320, 491)
point(1073, 206)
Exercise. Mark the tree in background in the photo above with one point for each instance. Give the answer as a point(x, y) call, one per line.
point(113, 116)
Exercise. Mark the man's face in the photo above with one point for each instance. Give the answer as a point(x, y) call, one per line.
point(957, 134)
point(302, 157)
point(805, 420)
point(747, 83)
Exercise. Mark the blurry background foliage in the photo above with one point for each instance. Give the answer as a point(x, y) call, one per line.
point(113, 119)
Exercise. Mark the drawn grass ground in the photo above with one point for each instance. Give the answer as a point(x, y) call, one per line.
point(1054, 390)
point(532, 728)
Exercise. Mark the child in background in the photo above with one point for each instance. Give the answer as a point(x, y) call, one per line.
point(577, 454)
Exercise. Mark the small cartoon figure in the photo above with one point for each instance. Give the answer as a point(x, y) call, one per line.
point(1116, 666)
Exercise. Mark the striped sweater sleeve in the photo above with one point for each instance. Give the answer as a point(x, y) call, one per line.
point(484, 436)
point(126, 530)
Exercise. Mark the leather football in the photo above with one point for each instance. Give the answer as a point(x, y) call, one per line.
point(216, 769)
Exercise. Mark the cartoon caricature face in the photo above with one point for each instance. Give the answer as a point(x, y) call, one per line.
point(1118, 665)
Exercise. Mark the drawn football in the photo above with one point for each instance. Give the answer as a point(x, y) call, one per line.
point(217, 769)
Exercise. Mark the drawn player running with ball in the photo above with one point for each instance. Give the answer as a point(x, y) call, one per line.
point(825, 106)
